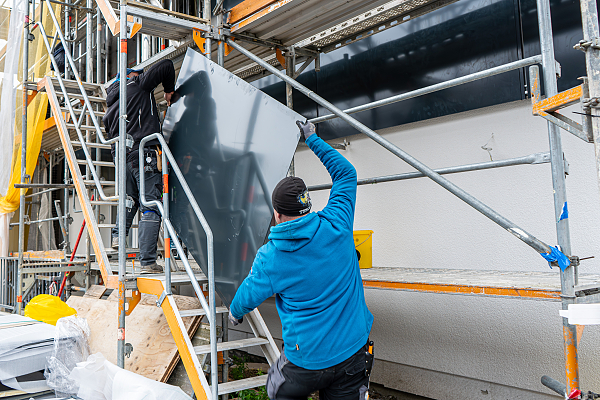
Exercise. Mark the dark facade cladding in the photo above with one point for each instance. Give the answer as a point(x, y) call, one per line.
point(457, 40)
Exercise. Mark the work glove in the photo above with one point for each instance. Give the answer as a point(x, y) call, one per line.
point(234, 320)
point(306, 128)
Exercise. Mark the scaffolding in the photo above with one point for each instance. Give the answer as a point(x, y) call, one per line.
point(253, 39)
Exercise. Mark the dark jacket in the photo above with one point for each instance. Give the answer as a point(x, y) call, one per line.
point(142, 114)
point(311, 264)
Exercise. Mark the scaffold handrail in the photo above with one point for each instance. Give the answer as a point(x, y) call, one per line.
point(88, 157)
point(69, 58)
point(510, 226)
point(209, 308)
point(437, 87)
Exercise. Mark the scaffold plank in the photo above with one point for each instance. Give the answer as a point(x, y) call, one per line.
point(532, 285)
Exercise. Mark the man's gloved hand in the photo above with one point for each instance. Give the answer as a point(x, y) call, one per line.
point(234, 320)
point(306, 128)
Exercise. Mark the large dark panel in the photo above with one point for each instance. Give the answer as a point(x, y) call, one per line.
point(233, 143)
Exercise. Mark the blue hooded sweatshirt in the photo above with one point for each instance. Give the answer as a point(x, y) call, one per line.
point(310, 263)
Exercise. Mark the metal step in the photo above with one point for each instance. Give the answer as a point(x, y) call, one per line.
point(242, 384)
point(80, 97)
point(91, 144)
point(232, 345)
point(85, 128)
point(103, 183)
point(106, 226)
point(100, 163)
point(200, 311)
point(78, 111)
point(104, 203)
point(71, 84)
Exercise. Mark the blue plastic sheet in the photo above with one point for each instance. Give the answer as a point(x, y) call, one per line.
point(557, 255)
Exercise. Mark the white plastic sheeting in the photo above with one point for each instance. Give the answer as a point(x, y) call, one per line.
point(99, 379)
point(4, 228)
point(24, 346)
point(9, 92)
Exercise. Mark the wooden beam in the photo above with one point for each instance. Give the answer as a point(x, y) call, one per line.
point(247, 8)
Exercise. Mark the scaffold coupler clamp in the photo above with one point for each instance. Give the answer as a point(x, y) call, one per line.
point(129, 141)
point(590, 102)
point(584, 45)
point(129, 203)
point(128, 349)
point(574, 262)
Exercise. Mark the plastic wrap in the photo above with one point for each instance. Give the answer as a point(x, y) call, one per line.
point(9, 91)
point(71, 346)
point(100, 379)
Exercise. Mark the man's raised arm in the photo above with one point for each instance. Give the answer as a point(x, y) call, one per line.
point(342, 197)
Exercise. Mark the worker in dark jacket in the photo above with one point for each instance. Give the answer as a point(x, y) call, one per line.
point(142, 120)
point(310, 263)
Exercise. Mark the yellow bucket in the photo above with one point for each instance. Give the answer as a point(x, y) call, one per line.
point(363, 242)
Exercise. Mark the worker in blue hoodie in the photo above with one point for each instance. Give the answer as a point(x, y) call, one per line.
point(311, 265)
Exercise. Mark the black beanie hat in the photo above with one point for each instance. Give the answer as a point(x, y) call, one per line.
point(290, 197)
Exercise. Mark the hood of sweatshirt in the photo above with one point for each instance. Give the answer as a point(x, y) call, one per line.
point(293, 235)
point(112, 94)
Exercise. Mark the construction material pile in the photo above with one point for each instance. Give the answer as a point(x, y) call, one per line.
point(25, 344)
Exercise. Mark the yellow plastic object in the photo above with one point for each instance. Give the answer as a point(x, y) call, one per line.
point(48, 309)
point(363, 241)
point(35, 131)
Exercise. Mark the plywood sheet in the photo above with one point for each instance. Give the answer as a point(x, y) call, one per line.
point(154, 351)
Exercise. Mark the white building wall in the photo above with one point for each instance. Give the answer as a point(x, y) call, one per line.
point(454, 346)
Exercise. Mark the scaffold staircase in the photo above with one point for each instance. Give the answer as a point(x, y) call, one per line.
point(72, 102)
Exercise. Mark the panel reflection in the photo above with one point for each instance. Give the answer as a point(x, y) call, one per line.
point(233, 144)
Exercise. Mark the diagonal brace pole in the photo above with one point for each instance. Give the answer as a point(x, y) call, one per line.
point(526, 237)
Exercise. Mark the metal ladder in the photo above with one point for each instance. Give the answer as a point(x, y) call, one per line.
point(69, 122)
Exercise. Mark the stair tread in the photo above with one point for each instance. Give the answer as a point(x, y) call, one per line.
point(241, 384)
point(91, 98)
point(78, 111)
point(200, 311)
point(104, 203)
point(232, 345)
point(100, 226)
point(91, 144)
point(84, 127)
point(107, 183)
point(100, 163)
point(72, 84)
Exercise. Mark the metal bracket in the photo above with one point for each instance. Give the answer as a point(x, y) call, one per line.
point(548, 108)
point(128, 141)
point(591, 102)
point(162, 298)
point(584, 45)
point(574, 262)
point(128, 349)
point(129, 202)
point(134, 24)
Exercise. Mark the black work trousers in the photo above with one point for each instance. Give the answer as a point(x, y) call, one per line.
point(149, 225)
point(344, 381)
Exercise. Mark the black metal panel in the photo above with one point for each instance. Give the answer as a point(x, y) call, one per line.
point(233, 144)
point(457, 40)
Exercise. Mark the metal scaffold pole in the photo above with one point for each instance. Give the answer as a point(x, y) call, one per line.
point(207, 15)
point(567, 277)
point(122, 154)
point(23, 161)
point(290, 69)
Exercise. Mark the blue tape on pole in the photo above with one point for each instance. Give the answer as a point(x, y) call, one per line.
point(565, 213)
point(557, 255)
